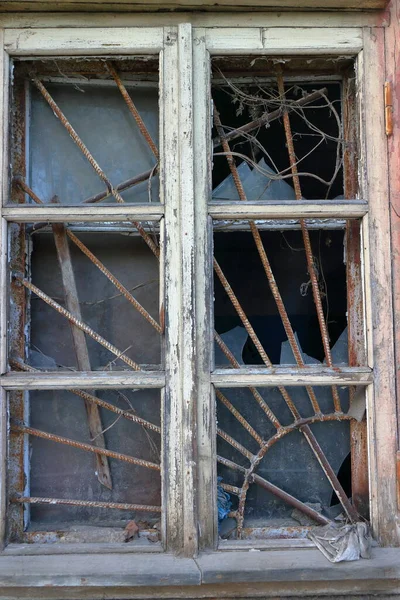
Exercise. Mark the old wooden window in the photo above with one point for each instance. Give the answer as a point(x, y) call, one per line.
point(116, 213)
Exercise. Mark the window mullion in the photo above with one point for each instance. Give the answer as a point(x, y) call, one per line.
point(180, 390)
point(381, 408)
point(206, 425)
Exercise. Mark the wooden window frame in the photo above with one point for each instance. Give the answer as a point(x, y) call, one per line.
point(189, 474)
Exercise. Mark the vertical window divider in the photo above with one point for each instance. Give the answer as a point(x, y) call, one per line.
point(381, 407)
point(206, 424)
point(180, 392)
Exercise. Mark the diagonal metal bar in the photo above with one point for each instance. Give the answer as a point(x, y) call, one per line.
point(259, 399)
point(275, 490)
point(267, 118)
point(81, 350)
point(98, 264)
point(121, 288)
point(224, 400)
point(85, 328)
point(312, 441)
point(82, 446)
point(222, 434)
point(88, 503)
point(307, 432)
point(16, 364)
point(121, 187)
point(92, 161)
point(306, 238)
point(264, 259)
point(252, 334)
point(132, 108)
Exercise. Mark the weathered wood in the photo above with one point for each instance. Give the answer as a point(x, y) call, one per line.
point(3, 466)
point(140, 5)
point(99, 380)
point(180, 334)
point(286, 209)
point(80, 346)
point(381, 406)
point(73, 214)
point(4, 167)
point(291, 376)
point(197, 19)
point(206, 423)
point(393, 144)
point(355, 297)
point(73, 42)
point(281, 40)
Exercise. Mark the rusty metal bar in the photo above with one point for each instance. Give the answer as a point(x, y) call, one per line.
point(306, 239)
point(87, 503)
point(235, 444)
point(265, 262)
point(307, 510)
point(98, 338)
point(16, 364)
point(239, 417)
point(312, 441)
point(73, 134)
point(267, 118)
point(276, 491)
point(121, 187)
point(132, 108)
point(121, 288)
point(232, 489)
point(82, 446)
point(253, 336)
point(259, 399)
point(81, 350)
point(349, 509)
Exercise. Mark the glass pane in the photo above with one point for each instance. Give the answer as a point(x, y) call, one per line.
point(249, 101)
point(103, 274)
point(284, 462)
point(114, 142)
point(269, 316)
point(65, 498)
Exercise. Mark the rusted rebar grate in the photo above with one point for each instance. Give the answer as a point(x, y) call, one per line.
point(246, 135)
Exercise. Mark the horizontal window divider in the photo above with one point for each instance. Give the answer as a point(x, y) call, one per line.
point(58, 213)
point(87, 41)
point(290, 209)
point(83, 380)
point(291, 376)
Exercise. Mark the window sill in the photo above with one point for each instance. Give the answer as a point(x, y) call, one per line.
point(128, 575)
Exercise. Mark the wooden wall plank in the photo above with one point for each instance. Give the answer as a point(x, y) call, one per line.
point(393, 141)
point(197, 19)
point(149, 5)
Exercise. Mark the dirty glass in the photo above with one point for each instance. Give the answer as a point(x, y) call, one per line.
point(63, 499)
point(274, 475)
point(85, 132)
point(103, 274)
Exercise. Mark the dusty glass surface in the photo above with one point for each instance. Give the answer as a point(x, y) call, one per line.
point(58, 472)
point(85, 131)
point(124, 311)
